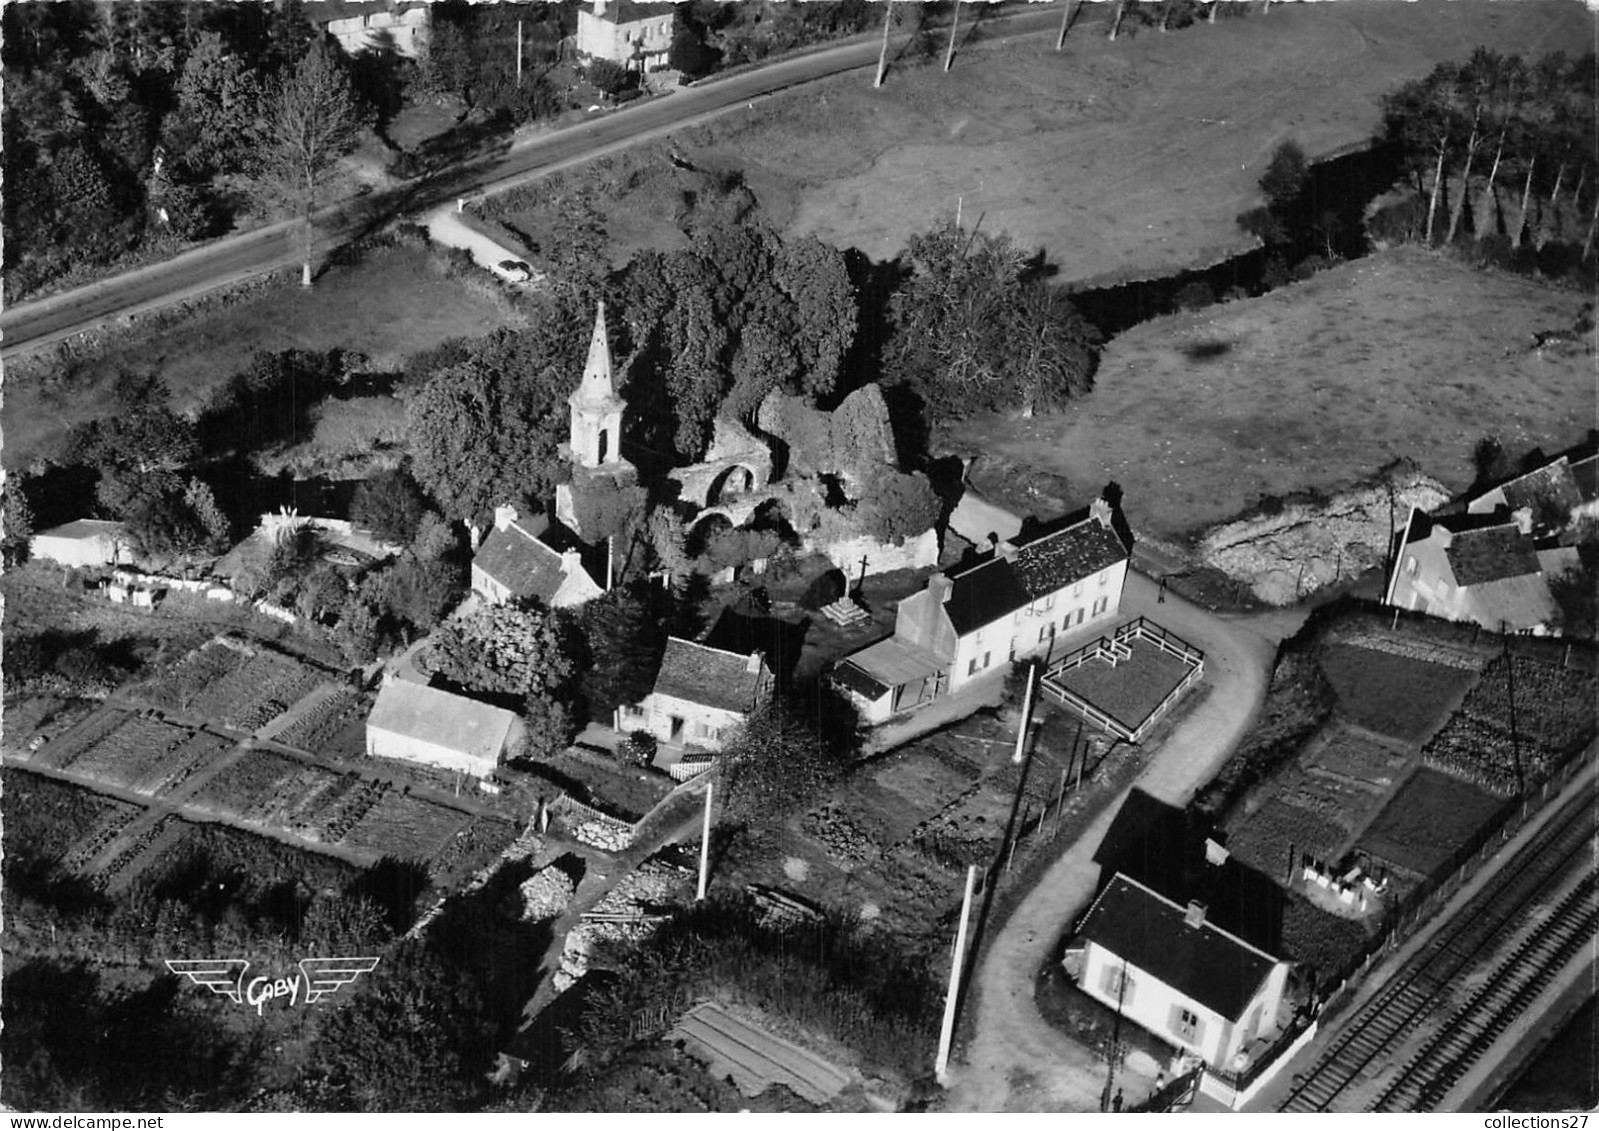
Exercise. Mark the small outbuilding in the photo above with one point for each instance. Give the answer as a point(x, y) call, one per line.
point(700, 694)
point(86, 542)
point(414, 723)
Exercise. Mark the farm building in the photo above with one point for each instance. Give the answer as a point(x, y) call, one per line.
point(627, 32)
point(414, 723)
point(363, 25)
point(1019, 602)
point(86, 542)
point(516, 562)
point(700, 694)
point(1167, 968)
point(1550, 497)
point(1485, 568)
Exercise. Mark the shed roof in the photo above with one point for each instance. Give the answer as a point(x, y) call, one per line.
point(1007, 582)
point(1149, 931)
point(887, 664)
point(442, 719)
point(709, 676)
point(83, 529)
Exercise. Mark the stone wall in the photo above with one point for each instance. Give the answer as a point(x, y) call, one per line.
point(881, 557)
point(1312, 543)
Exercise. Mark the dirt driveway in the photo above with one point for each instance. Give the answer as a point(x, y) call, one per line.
point(1017, 1061)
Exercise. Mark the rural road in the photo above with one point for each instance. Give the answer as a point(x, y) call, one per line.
point(1017, 1061)
point(232, 259)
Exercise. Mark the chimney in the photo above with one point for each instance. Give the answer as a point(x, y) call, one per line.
point(599, 8)
point(940, 586)
point(1196, 914)
point(1006, 550)
point(571, 562)
point(504, 516)
point(1522, 517)
point(1215, 851)
point(753, 666)
point(1099, 511)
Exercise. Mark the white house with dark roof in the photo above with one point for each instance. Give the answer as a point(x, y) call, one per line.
point(700, 694)
point(86, 542)
point(1168, 969)
point(971, 623)
point(361, 25)
point(627, 32)
point(1485, 568)
point(517, 562)
point(415, 723)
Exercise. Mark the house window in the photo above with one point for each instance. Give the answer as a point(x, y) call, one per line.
point(1101, 605)
point(1104, 577)
point(986, 656)
point(1077, 590)
point(1076, 617)
point(1118, 984)
point(1186, 1025)
point(1045, 632)
point(1049, 602)
point(971, 666)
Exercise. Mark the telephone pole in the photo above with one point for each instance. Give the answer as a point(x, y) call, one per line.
point(705, 845)
point(941, 1066)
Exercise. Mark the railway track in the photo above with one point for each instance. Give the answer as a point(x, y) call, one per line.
point(1493, 919)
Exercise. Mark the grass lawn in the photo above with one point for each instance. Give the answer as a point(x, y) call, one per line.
point(1131, 690)
point(391, 304)
point(1394, 694)
point(1430, 817)
point(1404, 353)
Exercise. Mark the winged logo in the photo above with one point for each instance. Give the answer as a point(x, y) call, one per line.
point(222, 976)
point(326, 976)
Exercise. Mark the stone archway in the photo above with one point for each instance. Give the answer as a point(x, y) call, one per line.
point(733, 482)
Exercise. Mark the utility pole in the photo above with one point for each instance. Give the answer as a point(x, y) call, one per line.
point(705, 845)
point(1065, 23)
point(954, 22)
point(941, 1066)
point(882, 56)
point(1115, 1040)
point(519, 53)
point(1510, 689)
point(1027, 710)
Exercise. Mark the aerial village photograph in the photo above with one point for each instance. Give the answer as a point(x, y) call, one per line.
point(805, 556)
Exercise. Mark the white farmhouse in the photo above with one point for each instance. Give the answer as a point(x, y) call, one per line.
point(700, 694)
point(1166, 968)
point(517, 562)
point(362, 25)
point(415, 723)
point(972, 623)
point(627, 32)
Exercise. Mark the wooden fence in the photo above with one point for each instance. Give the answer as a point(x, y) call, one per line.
point(1113, 648)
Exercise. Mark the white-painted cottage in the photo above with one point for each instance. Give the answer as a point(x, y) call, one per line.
point(700, 695)
point(86, 542)
point(516, 562)
point(627, 32)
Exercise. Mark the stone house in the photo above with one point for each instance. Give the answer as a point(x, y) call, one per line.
point(86, 542)
point(1168, 969)
point(969, 624)
point(700, 694)
point(415, 723)
point(518, 561)
point(360, 25)
point(639, 36)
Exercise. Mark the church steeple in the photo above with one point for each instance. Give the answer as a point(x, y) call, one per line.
point(596, 407)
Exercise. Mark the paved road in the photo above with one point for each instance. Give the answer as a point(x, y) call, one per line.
point(235, 258)
point(1016, 1060)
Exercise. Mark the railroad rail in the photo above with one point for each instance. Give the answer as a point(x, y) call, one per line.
point(1493, 918)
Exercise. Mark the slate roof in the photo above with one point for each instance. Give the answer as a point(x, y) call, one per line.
point(442, 719)
point(1519, 602)
point(1491, 554)
point(707, 676)
point(1585, 474)
point(627, 11)
point(1553, 482)
point(521, 563)
point(998, 587)
point(1149, 931)
point(878, 668)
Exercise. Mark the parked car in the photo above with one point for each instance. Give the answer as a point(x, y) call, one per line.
point(515, 270)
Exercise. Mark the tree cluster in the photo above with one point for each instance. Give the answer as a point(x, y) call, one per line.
point(129, 125)
point(787, 753)
point(976, 328)
point(1500, 147)
point(522, 656)
point(711, 35)
point(472, 53)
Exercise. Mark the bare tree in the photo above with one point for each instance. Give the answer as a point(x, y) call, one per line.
point(313, 119)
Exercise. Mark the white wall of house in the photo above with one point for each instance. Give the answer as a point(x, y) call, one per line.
point(1424, 581)
point(382, 743)
point(648, 39)
point(1089, 605)
point(97, 550)
point(1176, 1018)
point(680, 721)
point(408, 29)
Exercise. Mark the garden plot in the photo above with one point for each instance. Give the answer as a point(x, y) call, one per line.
point(926, 784)
point(1130, 691)
point(1345, 755)
point(179, 686)
point(407, 827)
point(1481, 753)
point(139, 750)
point(1431, 817)
point(83, 736)
point(313, 730)
point(44, 715)
point(251, 696)
point(1264, 838)
point(148, 843)
point(305, 790)
point(480, 844)
point(1393, 694)
point(50, 820)
point(316, 810)
point(1554, 706)
point(252, 786)
point(198, 751)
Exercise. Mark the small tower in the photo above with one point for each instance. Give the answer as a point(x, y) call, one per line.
point(596, 408)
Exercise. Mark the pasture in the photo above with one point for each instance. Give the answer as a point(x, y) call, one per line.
point(1199, 415)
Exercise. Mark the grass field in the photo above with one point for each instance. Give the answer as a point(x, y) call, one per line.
point(1198, 415)
point(388, 306)
point(1430, 817)
point(1131, 690)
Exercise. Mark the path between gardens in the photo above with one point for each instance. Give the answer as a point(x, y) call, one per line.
point(1016, 1060)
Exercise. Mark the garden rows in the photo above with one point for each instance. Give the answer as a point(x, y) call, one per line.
point(180, 685)
point(257, 693)
point(81, 737)
point(131, 852)
point(117, 815)
point(312, 730)
point(407, 827)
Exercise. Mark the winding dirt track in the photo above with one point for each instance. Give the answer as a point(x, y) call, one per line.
point(1017, 1061)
